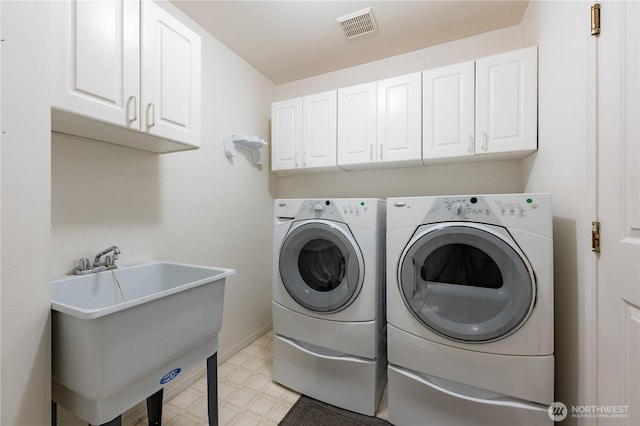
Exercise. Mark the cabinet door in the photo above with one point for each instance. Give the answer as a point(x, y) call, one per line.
point(171, 76)
point(506, 102)
point(95, 63)
point(319, 132)
point(286, 134)
point(357, 124)
point(400, 119)
point(448, 111)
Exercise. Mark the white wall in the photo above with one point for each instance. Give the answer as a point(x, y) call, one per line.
point(476, 178)
point(561, 29)
point(419, 60)
point(25, 226)
point(196, 207)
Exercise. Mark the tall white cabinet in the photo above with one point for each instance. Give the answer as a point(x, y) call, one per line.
point(486, 107)
point(125, 72)
point(304, 132)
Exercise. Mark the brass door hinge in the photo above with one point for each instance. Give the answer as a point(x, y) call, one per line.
point(595, 19)
point(595, 237)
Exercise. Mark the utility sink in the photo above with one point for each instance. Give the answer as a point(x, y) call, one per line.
point(121, 335)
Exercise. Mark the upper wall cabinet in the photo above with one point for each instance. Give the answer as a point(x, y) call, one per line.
point(484, 109)
point(304, 133)
point(448, 111)
point(286, 134)
point(507, 103)
point(379, 123)
point(125, 72)
point(399, 120)
point(357, 116)
point(481, 109)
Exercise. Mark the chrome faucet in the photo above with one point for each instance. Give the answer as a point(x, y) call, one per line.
point(109, 262)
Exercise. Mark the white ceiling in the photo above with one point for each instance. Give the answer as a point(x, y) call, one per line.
point(291, 40)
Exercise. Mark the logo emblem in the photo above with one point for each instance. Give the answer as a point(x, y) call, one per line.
point(170, 376)
point(557, 411)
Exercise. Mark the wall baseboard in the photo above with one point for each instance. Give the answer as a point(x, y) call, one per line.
point(138, 412)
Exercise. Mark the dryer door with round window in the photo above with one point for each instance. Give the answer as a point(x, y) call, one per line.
point(466, 282)
point(321, 265)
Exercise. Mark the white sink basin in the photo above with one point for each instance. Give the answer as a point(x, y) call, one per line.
point(109, 352)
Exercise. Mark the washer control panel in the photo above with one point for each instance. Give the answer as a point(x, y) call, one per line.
point(319, 208)
point(487, 209)
point(354, 208)
point(460, 208)
point(466, 208)
point(334, 209)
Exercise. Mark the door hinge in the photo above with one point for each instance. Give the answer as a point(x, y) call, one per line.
point(595, 19)
point(595, 237)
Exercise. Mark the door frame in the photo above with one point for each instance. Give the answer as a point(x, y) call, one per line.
point(590, 259)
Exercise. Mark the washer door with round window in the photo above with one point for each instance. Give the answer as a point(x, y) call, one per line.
point(321, 265)
point(467, 282)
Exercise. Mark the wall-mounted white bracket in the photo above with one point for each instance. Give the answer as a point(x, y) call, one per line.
point(251, 143)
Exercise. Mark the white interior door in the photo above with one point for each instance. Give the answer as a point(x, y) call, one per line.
point(619, 212)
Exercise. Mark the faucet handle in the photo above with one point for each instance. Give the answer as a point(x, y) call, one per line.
point(83, 265)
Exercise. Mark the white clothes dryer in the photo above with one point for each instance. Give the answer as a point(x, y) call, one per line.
point(470, 309)
point(328, 300)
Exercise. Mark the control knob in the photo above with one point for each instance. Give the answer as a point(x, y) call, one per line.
point(318, 208)
point(458, 209)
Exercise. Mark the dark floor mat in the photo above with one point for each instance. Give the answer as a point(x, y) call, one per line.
point(309, 412)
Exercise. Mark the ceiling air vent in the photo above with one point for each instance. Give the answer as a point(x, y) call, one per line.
point(358, 23)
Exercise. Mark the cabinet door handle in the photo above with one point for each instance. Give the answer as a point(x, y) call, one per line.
point(151, 121)
point(485, 141)
point(304, 159)
point(135, 110)
point(371, 152)
point(470, 147)
point(380, 152)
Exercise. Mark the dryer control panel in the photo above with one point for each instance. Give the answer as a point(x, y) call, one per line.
point(333, 209)
point(366, 213)
point(492, 209)
point(529, 212)
point(462, 208)
point(319, 209)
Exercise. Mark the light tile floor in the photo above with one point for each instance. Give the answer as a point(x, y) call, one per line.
point(246, 394)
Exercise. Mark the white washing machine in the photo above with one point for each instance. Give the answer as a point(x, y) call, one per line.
point(470, 310)
point(328, 300)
